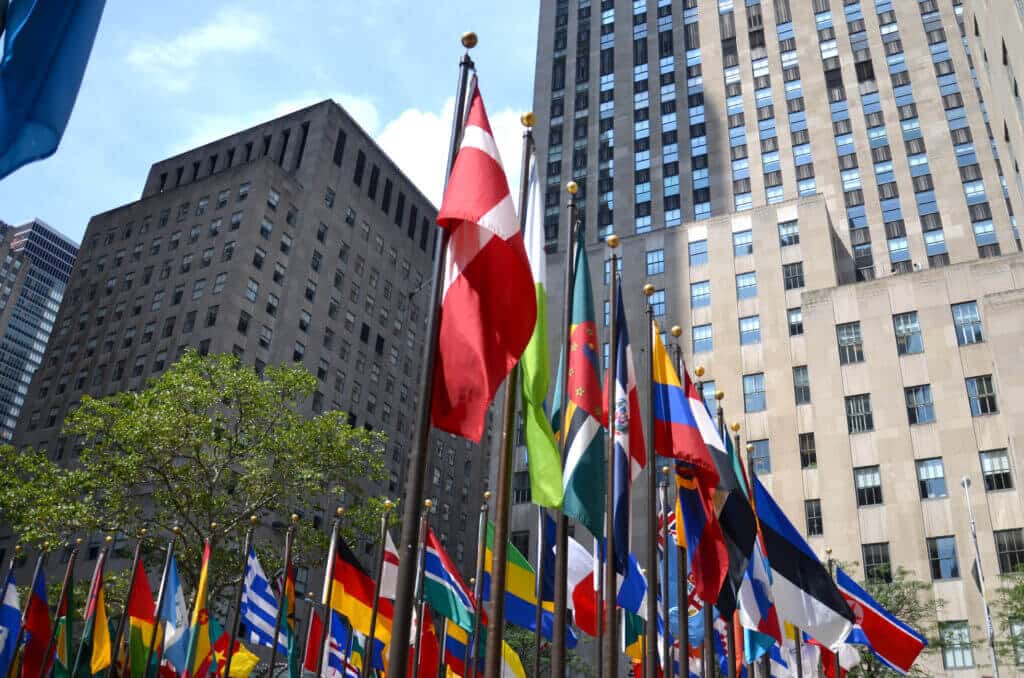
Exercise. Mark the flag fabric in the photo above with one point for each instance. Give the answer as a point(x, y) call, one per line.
point(746, 576)
point(511, 665)
point(259, 605)
point(339, 662)
point(630, 454)
point(704, 541)
point(316, 630)
point(489, 304)
point(632, 595)
point(64, 653)
point(37, 629)
point(243, 661)
point(10, 623)
point(290, 626)
point(430, 647)
point(545, 460)
point(98, 628)
point(443, 588)
point(582, 588)
point(894, 643)
point(141, 611)
point(520, 591)
point(456, 650)
point(584, 414)
point(389, 571)
point(352, 596)
point(46, 48)
point(174, 616)
point(804, 592)
point(200, 645)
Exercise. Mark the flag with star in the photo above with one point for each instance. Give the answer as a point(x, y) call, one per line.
point(583, 479)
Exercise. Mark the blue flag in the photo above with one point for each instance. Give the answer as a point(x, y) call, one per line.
point(46, 47)
point(10, 623)
point(259, 606)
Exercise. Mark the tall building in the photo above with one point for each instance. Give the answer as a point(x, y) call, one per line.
point(297, 240)
point(34, 271)
point(815, 190)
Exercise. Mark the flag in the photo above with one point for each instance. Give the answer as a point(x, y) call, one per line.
point(633, 634)
point(10, 623)
point(64, 653)
point(141, 612)
point(705, 544)
point(37, 629)
point(804, 592)
point(489, 304)
point(290, 625)
point(443, 588)
point(511, 665)
point(582, 588)
point(389, 571)
point(739, 528)
point(98, 628)
point(46, 48)
point(545, 460)
point(200, 645)
point(174, 616)
point(316, 630)
point(894, 643)
point(259, 605)
point(352, 596)
point(456, 650)
point(242, 660)
point(632, 594)
point(630, 455)
point(584, 415)
point(430, 647)
point(520, 591)
point(339, 663)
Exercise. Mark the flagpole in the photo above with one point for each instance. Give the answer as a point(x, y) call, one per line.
point(288, 537)
point(388, 505)
point(418, 459)
point(683, 584)
point(558, 633)
point(328, 590)
point(730, 637)
point(478, 586)
point(444, 648)
point(65, 587)
point(666, 645)
point(122, 622)
point(496, 620)
point(538, 618)
point(835, 654)
point(609, 644)
point(236, 608)
point(599, 594)
point(965, 483)
point(161, 592)
point(417, 593)
point(651, 663)
point(40, 559)
point(97, 578)
point(708, 649)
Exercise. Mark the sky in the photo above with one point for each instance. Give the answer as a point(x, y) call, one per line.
point(167, 76)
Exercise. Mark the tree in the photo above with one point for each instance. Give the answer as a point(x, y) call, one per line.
point(522, 641)
point(911, 601)
point(208, 441)
point(1010, 615)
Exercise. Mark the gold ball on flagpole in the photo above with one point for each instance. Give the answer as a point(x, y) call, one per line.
point(487, 495)
point(17, 548)
point(735, 427)
point(176, 529)
point(472, 581)
point(699, 371)
point(109, 539)
point(750, 448)
point(388, 504)
point(295, 518)
point(528, 119)
point(142, 533)
point(828, 551)
point(612, 241)
point(45, 546)
point(214, 526)
point(340, 511)
point(469, 39)
point(665, 469)
point(676, 331)
point(719, 395)
point(428, 503)
point(648, 289)
point(78, 542)
point(572, 188)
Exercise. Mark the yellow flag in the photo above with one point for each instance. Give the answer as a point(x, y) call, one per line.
point(201, 647)
point(511, 666)
point(100, 635)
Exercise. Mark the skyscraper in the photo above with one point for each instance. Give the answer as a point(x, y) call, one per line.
point(36, 264)
point(816, 191)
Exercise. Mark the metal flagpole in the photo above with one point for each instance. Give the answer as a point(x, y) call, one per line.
point(161, 592)
point(399, 655)
point(558, 633)
point(651, 631)
point(799, 653)
point(418, 590)
point(599, 576)
point(683, 580)
point(478, 588)
point(496, 620)
point(730, 638)
point(65, 588)
point(388, 505)
point(666, 645)
point(539, 615)
point(328, 590)
point(609, 642)
point(288, 536)
point(965, 483)
point(123, 621)
point(444, 648)
point(707, 649)
point(97, 580)
point(832, 574)
point(236, 609)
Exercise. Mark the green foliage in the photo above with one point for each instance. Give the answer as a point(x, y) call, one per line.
point(522, 641)
point(209, 441)
point(1009, 610)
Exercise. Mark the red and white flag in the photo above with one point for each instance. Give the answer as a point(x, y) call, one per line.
point(489, 305)
point(389, 569)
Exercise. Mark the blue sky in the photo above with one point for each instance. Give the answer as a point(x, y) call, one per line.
point(166, 76)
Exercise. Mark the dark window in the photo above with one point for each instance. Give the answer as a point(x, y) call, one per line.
point(851, 345)
point(808, 452)
point(982, 395)
point(931, 478)
point(812, 510)
point(942, 557)
point(793, 275)
point(521, 488)
point(995, 467)
point(1010, 550)
point(801, 385)
point(877, 566)
point(920, 409)
point(357, 175)
point(371, 189)
point(858, 413)
point(868, 482)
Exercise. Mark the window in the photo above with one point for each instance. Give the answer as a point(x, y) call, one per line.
point(801, 385)
point(793, 275)
point(700, 294)
point(219, 282)
point(931, 479)
point(808, 453)
point(750, 330)
point(742, 243)
point(995, 467)
point(1010, 550)
point(967, 322)
point(252, 290)
point(868, 482)
point(521, 487)
point(920, 409)
point(789, 233)
point(955, 638)
point(982, 395)
point(908, 333)
point(211, 315)
point(858, 413)
point(655, 262)
point(851, 346)
point(243, 322)
point(753, 392)
point(942, 557)
point(272, 302)
point(761, 457)
point(258, 256)
point(703, 340)
point(877, 566)
point(266, 228)
point(812, 511)
point(286, 243)
point(795, 319)
point(657, 301)
point(698, 253)
point(746, 285)
point(266, 336)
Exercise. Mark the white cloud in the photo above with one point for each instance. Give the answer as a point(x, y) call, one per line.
point(172, 63)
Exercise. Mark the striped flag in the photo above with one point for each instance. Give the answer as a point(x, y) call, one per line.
point(489, 308)
point(141, 611)
point(893, 642)
point(630, 455)
point(443, 587)
point(200, 646)
point(389, 572)
point(259, 606)
point(545, 460)
point(10, 622)
point(37, 629)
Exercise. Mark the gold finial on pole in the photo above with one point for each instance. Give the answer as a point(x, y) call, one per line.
point(295, 518)
point(254, 520)
point(699, 371)
point(677, 331)
point(78, 542)
point(388, 504)
point(469, 40)
point(214, 526)
point(735, 427)
point(176, 530)
point(339, 512)
point(613, 241)
point(528, 119)
point(487, 495)
point(109, 539)
point(665, 469)
point(719, 395)
point(428, 504)
point(750, 448)
point(572, 188)
point(648, 289)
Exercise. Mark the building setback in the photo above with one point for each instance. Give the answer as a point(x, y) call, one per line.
point(815, 192)
point(297, 240)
